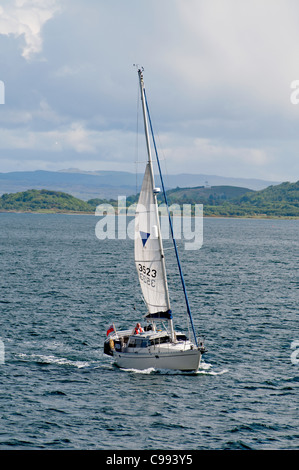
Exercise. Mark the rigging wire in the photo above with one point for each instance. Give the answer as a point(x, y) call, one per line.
point(171, 227)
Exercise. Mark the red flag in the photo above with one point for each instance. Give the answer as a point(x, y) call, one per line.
point(110, 329)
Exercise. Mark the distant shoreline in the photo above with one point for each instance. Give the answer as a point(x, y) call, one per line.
point(275, 202)
point(61, 212)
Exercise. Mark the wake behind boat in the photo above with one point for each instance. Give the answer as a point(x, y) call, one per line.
point(158, 345)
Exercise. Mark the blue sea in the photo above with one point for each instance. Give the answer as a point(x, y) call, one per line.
point(61, 288)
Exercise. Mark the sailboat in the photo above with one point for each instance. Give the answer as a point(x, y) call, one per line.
point(158, 345)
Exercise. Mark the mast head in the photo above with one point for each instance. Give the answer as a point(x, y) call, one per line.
point(140, 70)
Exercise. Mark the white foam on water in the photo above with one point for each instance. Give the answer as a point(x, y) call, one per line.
point(205, 369)
point(150, 370)
point(50, 359)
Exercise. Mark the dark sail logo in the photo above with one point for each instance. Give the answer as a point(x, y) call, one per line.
point(144, 237)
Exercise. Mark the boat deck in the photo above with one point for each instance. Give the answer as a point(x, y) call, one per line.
point(127, 341)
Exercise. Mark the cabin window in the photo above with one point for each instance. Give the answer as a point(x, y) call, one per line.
point(161, 340)
point(181, 338)
point(141, 343)
point(138, 343)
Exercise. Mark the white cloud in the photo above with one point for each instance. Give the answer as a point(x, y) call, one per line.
point(206, 149)
point(27, 18)
point(75, 137)
point(242, 49)
point(217, 73)
point(66, 71)
point(208, 156)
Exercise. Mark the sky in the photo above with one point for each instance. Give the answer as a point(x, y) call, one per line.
point(218, 77)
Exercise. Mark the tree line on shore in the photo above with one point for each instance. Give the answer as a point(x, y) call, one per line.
point(224, 201)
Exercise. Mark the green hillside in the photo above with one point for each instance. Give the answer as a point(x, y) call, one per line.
point(275, 201)
point(231, 201)
point(224, 201)
point(42, 200)
point(214, 195)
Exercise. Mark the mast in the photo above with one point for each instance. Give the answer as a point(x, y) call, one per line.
point(143, 100)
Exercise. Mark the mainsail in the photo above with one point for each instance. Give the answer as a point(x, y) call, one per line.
point(149, 257)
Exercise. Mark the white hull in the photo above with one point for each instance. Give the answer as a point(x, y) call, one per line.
point(177, 360)
point(153, 350)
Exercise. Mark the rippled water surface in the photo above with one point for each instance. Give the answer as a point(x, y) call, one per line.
point(60, 289)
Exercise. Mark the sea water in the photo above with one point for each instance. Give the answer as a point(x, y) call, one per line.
point(60, 290)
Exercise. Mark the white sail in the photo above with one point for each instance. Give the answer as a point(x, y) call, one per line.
point(149, 256)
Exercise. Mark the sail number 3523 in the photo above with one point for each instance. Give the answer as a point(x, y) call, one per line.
point(147, 275)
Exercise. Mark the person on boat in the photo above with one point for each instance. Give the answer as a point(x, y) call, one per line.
point(138, 329)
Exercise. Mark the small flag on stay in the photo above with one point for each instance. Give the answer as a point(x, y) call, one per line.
point(110, 329)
